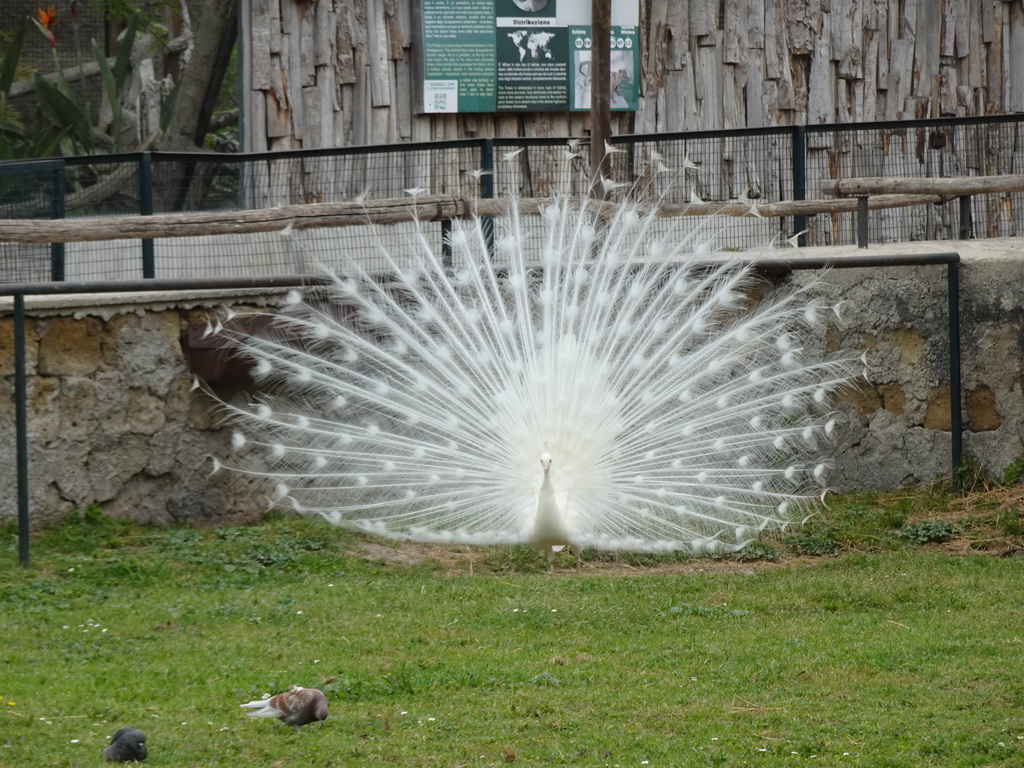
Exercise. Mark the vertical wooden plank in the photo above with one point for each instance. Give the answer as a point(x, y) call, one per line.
point(257, 128)
point(975, 70)
point(994, 92)
point(343, 126)
point(908, 21)
point(927, 39)
point(821, 78)
point(961, 27)
point(755, 24)
point(776, 40)
point(657, 47)
point(278, 111)
point(259, 51)
point(307, 45)
point(804, 27)
point(677, 20)
point(291, 60)
point(325, 26)
point(681, 101)
point(735, 40)
point(946, 92)
point(869, 90)
point(848, 33)
point(708, 83)
point(773, 114)
point(988, 19)
point(404, 105)
point(345, 45)
point(361, 106)
point(311, 108)
point(754, 91)
point(377, 54)
point(1015, 83)
point(702, 19)
point(947, 35)
point(399, 28)
point(734, 107)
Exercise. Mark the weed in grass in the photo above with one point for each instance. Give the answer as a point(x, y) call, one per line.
point(820, 544)
point(758, 551)
point(928, 531)
point(972, 476)
point(1010, 522)
point(1013, 472)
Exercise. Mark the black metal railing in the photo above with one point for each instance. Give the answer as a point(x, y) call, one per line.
point(763, 165)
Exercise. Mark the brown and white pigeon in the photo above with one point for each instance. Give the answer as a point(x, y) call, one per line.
point(296, 707)
point(127, 745)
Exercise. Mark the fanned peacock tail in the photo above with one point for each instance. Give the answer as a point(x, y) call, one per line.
point(416, 402)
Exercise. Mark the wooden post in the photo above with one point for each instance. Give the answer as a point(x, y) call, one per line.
point(600, 89)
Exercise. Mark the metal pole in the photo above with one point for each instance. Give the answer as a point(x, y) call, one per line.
point(21, 428)
point(862, 221)
point(966, 225)
point(800, 180)
point(58, 211)
point(146, 209)
point(446, 243)
point(600, 89)
point(955, 423)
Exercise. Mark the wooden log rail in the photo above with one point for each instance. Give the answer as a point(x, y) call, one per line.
point(867, 189)
point(947, 187)
point(423, 208)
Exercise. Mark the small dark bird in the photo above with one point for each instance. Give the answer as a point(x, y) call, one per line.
point(296, 707)
point(127, 745)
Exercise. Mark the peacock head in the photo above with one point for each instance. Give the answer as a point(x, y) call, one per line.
point(545, 461)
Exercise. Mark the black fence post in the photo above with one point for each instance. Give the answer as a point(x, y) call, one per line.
point(800, 180)
point(956, 428)
point(58, 209)
point(146, 209)
point(966, 224)
point(21, 427)
point(862, 221)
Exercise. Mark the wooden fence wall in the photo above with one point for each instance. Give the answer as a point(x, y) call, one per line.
point(329, 73)
point(324, 73)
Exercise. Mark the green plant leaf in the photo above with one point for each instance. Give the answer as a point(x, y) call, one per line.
point(110, 90)
point(65, 114)
point(124, 56)
point(9, 65)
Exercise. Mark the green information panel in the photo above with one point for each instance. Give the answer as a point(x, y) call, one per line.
point(521, 55)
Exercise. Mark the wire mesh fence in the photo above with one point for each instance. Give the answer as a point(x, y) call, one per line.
point(751, 165)
point(919, 149)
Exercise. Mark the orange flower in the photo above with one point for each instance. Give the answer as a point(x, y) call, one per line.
point(48, 18)
point(46, 22)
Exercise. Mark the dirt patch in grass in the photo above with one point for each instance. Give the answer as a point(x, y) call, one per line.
point(462, 560)
point(987, 522)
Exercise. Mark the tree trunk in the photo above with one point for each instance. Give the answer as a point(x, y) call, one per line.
point(214, 27)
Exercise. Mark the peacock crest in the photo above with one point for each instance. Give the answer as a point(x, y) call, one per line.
point(580, 378)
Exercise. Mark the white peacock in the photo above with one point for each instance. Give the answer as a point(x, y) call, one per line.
point(592, 380)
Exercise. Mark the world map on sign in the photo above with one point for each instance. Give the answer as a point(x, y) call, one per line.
point(533, 43)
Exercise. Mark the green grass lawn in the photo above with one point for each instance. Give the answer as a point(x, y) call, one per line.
point(885, 633)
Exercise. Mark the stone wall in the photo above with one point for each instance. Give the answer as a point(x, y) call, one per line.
point(897, 418)
point(114, 419)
